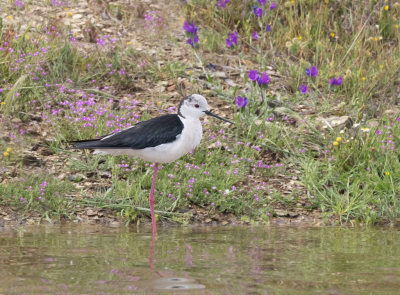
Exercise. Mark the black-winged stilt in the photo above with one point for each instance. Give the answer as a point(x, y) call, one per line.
point(162, 139)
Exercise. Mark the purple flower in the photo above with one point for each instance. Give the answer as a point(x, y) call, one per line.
point(222, 3)
point(303, 89)
point(234, 37)
point(313, 72)
point(257, 11)
point(273, 5)
point(262, 2)
point(378, 132)
point(241, 101)
point(193, 41)
point(232, 41)
point(253, 75)
point(268, 28)
point(255, 35)
point(335, 81)
point(264, 80)
point(191, 29)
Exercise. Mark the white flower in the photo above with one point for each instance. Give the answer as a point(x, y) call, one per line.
point(342, 131)
point(324, 126)
point(365, 129)
point(335, 122)
point(226, 191)
point(356, 125)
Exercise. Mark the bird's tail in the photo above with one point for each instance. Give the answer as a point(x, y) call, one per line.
point(85, 144)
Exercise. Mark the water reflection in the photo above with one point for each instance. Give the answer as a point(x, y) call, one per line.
point(165, 283)
point(236, 260)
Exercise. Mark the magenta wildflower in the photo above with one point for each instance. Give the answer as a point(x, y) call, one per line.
point(192, 41)
point(262, 2)
point(313, 72)
point(241, 102)
point(257, 11)
point(255, 35)
point(335, 81)
point(303, 89)
point(268, 28)
point(378, 132)
point(264, 80)
point(190, 28)
point(273, 5)
point(253, 75)
point(232, 40)
point(222, 3)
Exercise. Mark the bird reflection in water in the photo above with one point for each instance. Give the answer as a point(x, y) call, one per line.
point(165, 283)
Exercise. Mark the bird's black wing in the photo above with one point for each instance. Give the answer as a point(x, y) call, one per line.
point(150, 133)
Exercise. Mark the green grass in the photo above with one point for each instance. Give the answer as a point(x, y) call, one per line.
point(346, 172)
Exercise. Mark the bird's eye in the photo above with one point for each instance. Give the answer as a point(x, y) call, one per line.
point(196, 106)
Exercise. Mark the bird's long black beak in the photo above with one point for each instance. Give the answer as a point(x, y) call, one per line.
point(211, 114)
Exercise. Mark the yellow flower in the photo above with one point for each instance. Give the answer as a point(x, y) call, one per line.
point(9, 149)
point(6, 154)
point(159, 103)
point(66, 8)
point(3, 103)
point(339, 139)
point(381, 66)
point(335, 143)
point(190, 72)
point(327, 1)
point(205, 40)
point(363, 78)
point(10, 17)
point(397, 26)
point(128, 43)
point(376, 39)
point(386, 7)
point(387, 173)
point(332, 35)
point(299, 37)
point(69, 13)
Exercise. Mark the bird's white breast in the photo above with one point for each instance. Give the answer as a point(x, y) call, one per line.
point(166, 153)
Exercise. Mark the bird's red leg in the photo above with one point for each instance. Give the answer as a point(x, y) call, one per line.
point(151, 198)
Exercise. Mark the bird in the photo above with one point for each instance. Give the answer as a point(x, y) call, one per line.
point(160, 140)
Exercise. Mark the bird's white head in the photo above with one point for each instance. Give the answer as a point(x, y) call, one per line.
point(195, 106)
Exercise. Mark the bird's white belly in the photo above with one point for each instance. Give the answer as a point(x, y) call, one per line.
point(168, 152)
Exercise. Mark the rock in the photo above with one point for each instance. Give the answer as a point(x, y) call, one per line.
point(31, 160)
point(104, 174)
point(91, 212)
point(225, 222)
point(221, 75)
point(77, 177)
point(77, 16)
point(392, 112)
point(344, 121)
point(373, 123)
point(281, 213)
point(46, 152)
point(16, 120)
point(32, 132)
point(61, 176)
point(4, 137)
point(293, 214)
point(115, 224)
point(208, 220)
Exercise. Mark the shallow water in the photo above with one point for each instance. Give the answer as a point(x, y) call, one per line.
point(77, 259)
